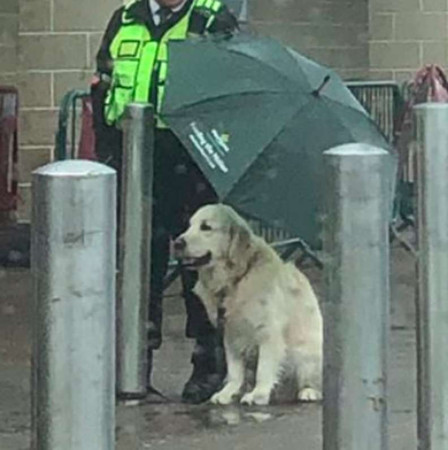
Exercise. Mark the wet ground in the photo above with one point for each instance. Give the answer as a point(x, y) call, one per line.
point(173, 426)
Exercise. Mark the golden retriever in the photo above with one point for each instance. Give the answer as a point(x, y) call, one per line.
point(269, 305)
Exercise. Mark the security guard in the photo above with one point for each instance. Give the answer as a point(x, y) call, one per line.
point(131, 66)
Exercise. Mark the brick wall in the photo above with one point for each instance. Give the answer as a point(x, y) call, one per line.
point(9, 27)
point(406, 34)
point(58, 40)
point(333, 32)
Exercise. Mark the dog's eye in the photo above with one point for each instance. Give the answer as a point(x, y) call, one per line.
point(205, 227)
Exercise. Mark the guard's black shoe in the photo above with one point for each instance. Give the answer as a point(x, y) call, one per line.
point(205, 379)
point(199, 388)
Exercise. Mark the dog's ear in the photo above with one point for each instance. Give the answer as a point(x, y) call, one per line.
point(240, 240)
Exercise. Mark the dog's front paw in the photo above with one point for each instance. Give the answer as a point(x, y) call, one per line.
point(255, 398)
point(222, 397)
point(309, 395)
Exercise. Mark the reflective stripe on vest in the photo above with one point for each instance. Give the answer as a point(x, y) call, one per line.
point(213, 5)
point(136, 57)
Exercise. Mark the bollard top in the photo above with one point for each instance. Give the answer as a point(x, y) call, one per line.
point(432, 105)
point(140, 110)
point(356, 149)
point(74, 168)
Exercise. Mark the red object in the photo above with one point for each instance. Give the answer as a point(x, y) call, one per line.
point(95, 80)
point(430, 84)
point(87, 139)
point(9, 107)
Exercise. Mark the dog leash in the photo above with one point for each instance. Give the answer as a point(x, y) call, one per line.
point(150, 388)
point(220, 322)
point(153, 390)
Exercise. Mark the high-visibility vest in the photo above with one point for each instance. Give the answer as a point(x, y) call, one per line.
point(140, 63)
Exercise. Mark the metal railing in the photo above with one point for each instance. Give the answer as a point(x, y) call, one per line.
point(383, 101)
point(66, 142)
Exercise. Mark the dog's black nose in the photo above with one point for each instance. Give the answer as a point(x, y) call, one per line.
point(179, 244)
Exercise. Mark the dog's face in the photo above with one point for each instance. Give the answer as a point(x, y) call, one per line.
point(214, 234)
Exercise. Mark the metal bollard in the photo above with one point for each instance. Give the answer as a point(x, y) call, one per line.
point(432, 286)
point(135, 250)
point(73, 267)
point(356, 307)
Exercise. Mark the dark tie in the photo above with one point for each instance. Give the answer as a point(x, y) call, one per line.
point(164, 13)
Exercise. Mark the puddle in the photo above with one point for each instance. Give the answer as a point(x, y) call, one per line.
point(207, 417)
point(159, 421)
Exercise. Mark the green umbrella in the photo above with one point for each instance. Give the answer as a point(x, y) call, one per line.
point(256, 117)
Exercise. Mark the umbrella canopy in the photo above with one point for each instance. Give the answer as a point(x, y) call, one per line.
point(256, 117)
